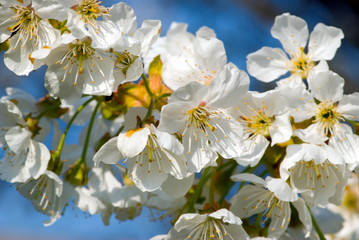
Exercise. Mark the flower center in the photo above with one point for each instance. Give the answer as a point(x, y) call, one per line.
point(153, 156)
point(210, 229)
point(302, 64)
point(327, 116)
point(81, 57)
point(26, 24)
point(312, 176)
point(90, 10)
point(123, 60)
point(199, 117)
point(259, 122)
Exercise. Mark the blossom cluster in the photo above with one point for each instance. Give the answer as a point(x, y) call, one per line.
point(171, 125)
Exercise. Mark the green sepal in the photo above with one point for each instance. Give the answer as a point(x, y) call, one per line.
point(77, 174)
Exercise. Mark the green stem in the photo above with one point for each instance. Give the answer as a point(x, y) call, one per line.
point(147, 86)
point(257, 223)
point(88, 134)
point(211, 189)
point(231, 183)
point(62, 141)
point(316, 226)
point(198, 191)
point(149, 110)
point(165, 95)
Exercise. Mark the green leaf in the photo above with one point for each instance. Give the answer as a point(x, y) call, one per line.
point(155, 67)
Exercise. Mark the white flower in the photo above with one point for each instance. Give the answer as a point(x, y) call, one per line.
point(88, 18)
point(262, 115)
point(115, 196)
point(221, 224)
point(319, 173)
point(76, 68)
point(267, 64)
point(176, 188)
point(199, 114)
point(47, 195)
point(10, 117)
point(132, 44)
point(272, 197)
point(348, 211)
point(27, 32)
point(24, 157)
point(327, 104)
point(151, 156)
point(23, 100)
point(166, 206)
point(188, 58)
point(85, 200)
point(29, 107)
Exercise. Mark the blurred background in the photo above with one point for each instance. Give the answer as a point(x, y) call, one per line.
point(244, 27)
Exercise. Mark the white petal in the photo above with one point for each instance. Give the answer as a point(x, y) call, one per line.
point(66, 91)
point(10, 117)
point(248, 201)
point(346, 144)
point(24, 101)
point(209, 51)
point(6, 21)
point(100, 81)
point(228, 88)
point(324, 42)
point(132, 142)
point(301, 103)
point(226, 216)
point(148, 34)
point(174, 116)
point(124, 17)
point(311, 134)
point(49, 9)
point(189, 221)
point(294, 82)
point(281, 129)
point(267, 64)
point(87, 202)
point(131, 117)
point(128, 196)
point(12, 168)
point(37, 159)
point(255, 149)
point(198, 153)
point(133, 73)
point(349, 106)
point(175, 188)
point(280, 220)
point(291, 31)
point(108, 153)
point(168, 141)
point(18, 138)
point(17, 58)
point(248, 177)
point(281, 189)
point(327, 86)
point(226, 139)
point(146, 176)
point(304, 215)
